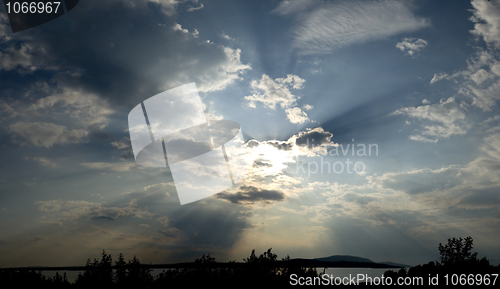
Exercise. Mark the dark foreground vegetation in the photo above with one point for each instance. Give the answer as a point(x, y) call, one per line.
point(255, 270)
point(457, 266)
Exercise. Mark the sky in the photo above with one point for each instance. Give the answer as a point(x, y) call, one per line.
point(372, 129)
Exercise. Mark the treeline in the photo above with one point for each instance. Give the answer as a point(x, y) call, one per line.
point(264, 269)
point(458, 265)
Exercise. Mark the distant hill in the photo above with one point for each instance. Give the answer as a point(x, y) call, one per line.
point(337, 258)
point(344, 261)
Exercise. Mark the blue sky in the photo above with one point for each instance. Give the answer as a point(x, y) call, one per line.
point(419, 81)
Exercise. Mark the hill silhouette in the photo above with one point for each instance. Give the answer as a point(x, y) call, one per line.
point(456, 259)
point(342, 261)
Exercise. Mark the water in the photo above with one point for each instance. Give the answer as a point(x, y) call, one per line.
point(347, 272)
point(70, 275)
point(332, 272)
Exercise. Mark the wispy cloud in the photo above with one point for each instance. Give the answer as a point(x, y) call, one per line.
point(324, 27)
point(440, 121)
point(117, 167)
point(43, 161)
point(47, 134)
point(191, 9)
point(480, 81)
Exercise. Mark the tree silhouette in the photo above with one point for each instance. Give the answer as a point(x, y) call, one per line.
point(97, 272)
point(457, 252)
point(120, 270)
point(138, 274)
point(456, 258)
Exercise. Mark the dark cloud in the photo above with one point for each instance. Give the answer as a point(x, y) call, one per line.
point(166, 234)
point(482, 198)
point(102, 218)
point(314, 137)
point(211, 223)
point(280, 145)
point(261, 163)
point(123, 51)
point(251, 194)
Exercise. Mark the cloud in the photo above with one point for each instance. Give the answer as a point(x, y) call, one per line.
point(97, 76)
point(4, 25)
point(420, 181)
point(164, 221)
point(296, 115)
point(480, 81)
point(469, 186)
point(272, 93)
point(17, 58)
point(446, 119)
point(191, 9)
point(82, 113)
point(438, 76)
point(124, 143)
point(250, 194)
point(43, 161)
point(169, 6)
point(147, 54)
point(411, 45)
point(47, 134)
point(86, 109)
point(486, 21)
point(126, 147)
point(293, 6)
point(117, 167)
point(272, 156)
point(324, 27)
point(102, 218)
point(76, 209)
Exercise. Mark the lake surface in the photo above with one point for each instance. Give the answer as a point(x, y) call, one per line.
point(333, 272)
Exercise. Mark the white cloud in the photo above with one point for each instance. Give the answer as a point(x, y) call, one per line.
point(219, 77)
point(481, 79)
point(486, 18)
point(277, 92)
point(446, 119)
point(191, 9)
point(167, 6)
point(296, 115)
point(324, 26)
point(293, 6)
point(178, 27)
point(411, 45)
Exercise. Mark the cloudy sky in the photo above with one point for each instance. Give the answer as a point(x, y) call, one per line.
point(371, 129)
